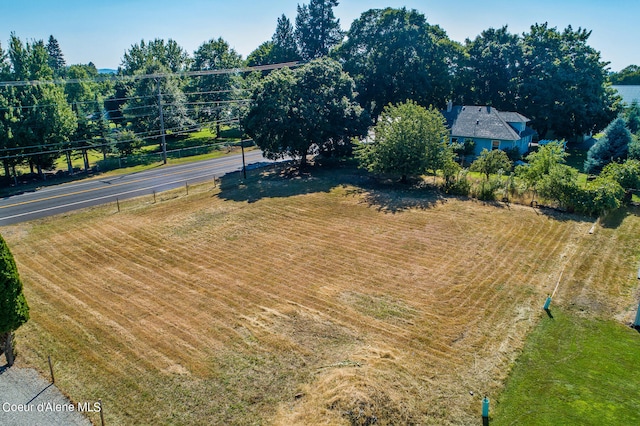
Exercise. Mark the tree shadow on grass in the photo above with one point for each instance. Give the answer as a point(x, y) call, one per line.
point(286, 180)
point(393, 197)
point(276, 181)
point(615, 218)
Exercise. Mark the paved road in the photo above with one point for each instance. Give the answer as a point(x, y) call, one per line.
point(71, 196)
point(27, 399)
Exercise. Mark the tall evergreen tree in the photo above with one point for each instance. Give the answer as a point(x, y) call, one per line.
point(317, 29)
point(632, 117)
point(14, 310)
point(614, 146)
point(284, 42)
point(56, 58)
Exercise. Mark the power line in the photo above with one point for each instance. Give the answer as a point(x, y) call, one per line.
point(240, 70)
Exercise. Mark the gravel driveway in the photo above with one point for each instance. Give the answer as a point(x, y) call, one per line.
point(27, 399)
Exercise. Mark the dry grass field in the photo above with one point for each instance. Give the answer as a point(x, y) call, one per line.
point(325, 299)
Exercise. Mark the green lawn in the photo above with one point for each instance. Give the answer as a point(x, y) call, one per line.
point(574, 371)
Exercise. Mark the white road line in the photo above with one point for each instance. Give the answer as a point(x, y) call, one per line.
point(104, 197)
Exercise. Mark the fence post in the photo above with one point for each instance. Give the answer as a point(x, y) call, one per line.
point(154, 196)
point(53, 379)
point(101, 412)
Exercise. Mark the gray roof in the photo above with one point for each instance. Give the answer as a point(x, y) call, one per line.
point(473, 121)
point(513, 117)
point(628, 93)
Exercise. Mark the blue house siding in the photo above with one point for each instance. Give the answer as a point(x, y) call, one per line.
point(522, 144)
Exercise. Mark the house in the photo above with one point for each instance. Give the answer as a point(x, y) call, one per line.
point(488, 128)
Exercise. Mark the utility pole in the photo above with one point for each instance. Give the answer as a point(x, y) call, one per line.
point(163, 142)
point(244, 165)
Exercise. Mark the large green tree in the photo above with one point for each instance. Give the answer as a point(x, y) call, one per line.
point(43, 121)
point(84, 94)
point(563, 83)
point(8, 144)
point(168, 54)
point(627, 76)
point(213, 94)
point(409, 140)
point(312, 107)
point(395, 55)
point(14, 310)
point(491, 74)
point(317, 29)
point(142, 108)
point(491, 162)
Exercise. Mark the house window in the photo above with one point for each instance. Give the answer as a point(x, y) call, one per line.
point(495, 144)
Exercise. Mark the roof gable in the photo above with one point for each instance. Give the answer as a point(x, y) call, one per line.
point(485, 122)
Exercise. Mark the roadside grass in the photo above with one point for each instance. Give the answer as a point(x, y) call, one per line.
point(295, 299)
point(228, 135)
point(574, 370)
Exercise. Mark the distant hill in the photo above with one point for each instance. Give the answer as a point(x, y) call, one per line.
point(107, 71)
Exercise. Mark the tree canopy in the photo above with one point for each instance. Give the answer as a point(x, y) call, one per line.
point(312, 106)
point(491, 162)
point(409, 140)
point(211, 93)
point(563, 83)
point(627, 76)
point(317, 29)
point(395, 55)
point(56, 58)
point(492, 68)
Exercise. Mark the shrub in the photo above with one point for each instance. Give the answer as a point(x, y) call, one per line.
point(458, 186)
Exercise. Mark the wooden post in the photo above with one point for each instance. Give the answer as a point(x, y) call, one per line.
point(118, 204)
point(101, 412)
point(154, 197)
point(53, 379)
point(8, 348)
point(186, 185)
point(244, 165)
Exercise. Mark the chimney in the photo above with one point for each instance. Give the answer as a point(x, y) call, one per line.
point(449, 105)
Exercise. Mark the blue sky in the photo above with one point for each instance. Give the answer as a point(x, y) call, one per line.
point(101, 31)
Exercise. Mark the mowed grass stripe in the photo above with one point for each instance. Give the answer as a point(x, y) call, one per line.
point(209, 294)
